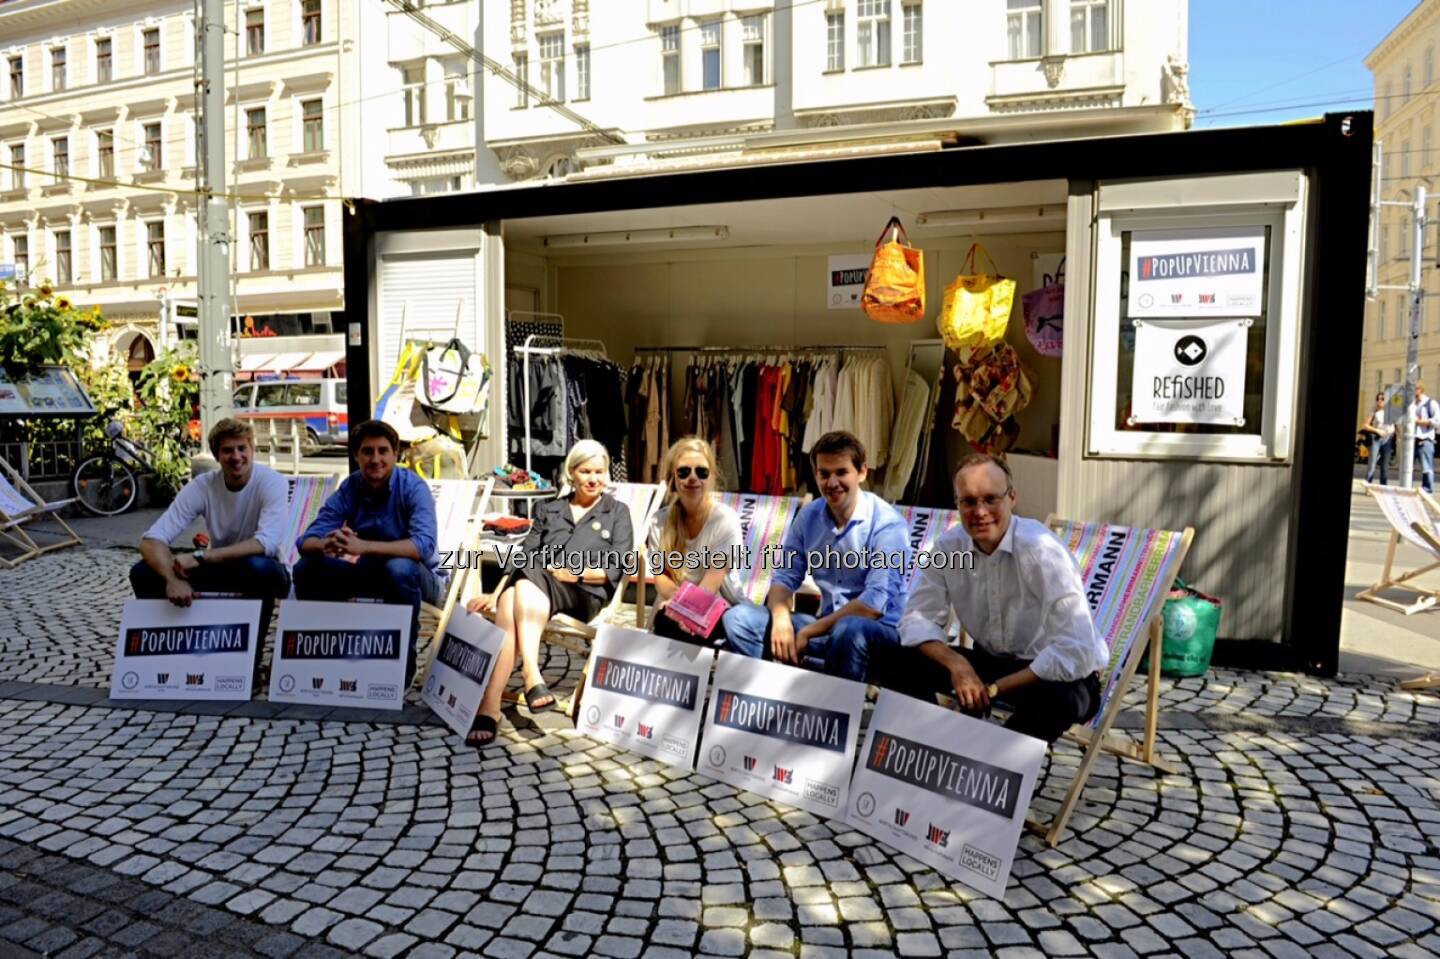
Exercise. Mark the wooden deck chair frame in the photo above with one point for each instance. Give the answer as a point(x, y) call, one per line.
point(12, 525)
point(1417, 534)
point(1099, 739)
point(469, 544)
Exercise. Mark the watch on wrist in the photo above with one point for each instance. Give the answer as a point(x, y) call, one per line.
point(199, 555)
point(992, 690)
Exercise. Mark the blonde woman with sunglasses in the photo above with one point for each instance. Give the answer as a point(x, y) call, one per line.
point(694, 539)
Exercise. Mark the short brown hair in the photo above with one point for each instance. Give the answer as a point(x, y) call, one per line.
point(229, 428)
point(373, 429)
point(980, 459)
point(839, 441)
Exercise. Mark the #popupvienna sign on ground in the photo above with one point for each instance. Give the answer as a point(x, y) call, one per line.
point(782, 732)
point(461, 669)
point(340, 654)
point(950, 790)
point(646, 694)
point(205, 650)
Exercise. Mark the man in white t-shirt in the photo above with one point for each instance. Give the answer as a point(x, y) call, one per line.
point(245, 507)
point(1427, 412)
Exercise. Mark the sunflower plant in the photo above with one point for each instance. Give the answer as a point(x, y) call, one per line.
point(39, 328)
point(168, 389)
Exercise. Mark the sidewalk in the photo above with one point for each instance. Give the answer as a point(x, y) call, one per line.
point(1304, 819)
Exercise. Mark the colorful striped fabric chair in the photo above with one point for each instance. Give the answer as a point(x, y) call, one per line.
point(1127, 574)
point(457, 526)
point(307, 495)
point(763, 522)
point(926, 524)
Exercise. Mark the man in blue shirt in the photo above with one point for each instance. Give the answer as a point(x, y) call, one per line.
point(375, 536)
point(857, 547)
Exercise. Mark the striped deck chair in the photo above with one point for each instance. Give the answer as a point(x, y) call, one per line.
point(926, 524)
point(1411, 514)
point(20, 504)
point(307, 495)
point(763, 522)
point(458, 505)
point(1127, 574)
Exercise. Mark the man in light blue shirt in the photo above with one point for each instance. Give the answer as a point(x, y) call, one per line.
point(1426, 413)
point(857, 547)
point(375, 536)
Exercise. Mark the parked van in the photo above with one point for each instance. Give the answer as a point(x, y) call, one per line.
point(319, 405)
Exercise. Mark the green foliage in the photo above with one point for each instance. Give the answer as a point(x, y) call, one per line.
point(168, 390)
point(109, 388)
point(39, 328)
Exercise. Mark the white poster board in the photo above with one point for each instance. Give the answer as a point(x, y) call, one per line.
point(950, 790)
point(1189, 371)
point(202, 651)
point(1199, 272)
point(461, 669)
point(340, 654)
point(646, 694)
point(845, 280)
point(782, 732)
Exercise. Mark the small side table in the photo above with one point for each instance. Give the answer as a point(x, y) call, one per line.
point(515, 499)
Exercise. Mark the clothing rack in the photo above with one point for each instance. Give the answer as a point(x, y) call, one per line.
point(564, 344)
point(760, 349)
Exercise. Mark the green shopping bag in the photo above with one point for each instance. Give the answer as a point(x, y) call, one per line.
point(1192, 619)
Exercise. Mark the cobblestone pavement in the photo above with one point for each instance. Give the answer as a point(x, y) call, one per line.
point(1304, 819)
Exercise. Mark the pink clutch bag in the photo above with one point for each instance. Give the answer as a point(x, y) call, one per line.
point(696, 610)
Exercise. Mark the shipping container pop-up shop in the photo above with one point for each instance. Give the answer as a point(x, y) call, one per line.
point(1212, 323)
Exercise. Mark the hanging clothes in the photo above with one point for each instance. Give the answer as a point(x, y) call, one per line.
point(648, 399)
point(546, 414)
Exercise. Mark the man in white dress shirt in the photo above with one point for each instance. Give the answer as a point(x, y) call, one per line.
point(1036, 647)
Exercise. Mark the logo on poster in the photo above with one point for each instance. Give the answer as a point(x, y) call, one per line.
point(961, 778)
point(619, 721)
point(902, 816)
point(644, 731)
point(287, 683)
point(776, 719)
point(465, 659)
point(130, 680)
point(783, 775)
point(822, 792)
point(1190, 350)
point(188, 640)
point(937, 836)
point(194, 679)
point(979, 861)
point(1202, 263)
point(592, 715)
point(750, 763)
point(317, 682)
point(865, 804)
point(649, 683)
point(349, 685)
point(162, 678)
point(341, 644)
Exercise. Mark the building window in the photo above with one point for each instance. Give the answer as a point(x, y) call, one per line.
point(155, 247)
point(259, 241)
point(63, 274)
point(752, 33)
point(313, 122)
point(1405, 160)
point(105, 153)
point(1089, 26)
point(552, 66)
point(22, 258)
point(255, 132)
point(710, 55)
point(1406, 89)
point(57, 68)
point(1429, 65)
point(670, 58)
point(17, 77)
point(1425, 166)
point(254, 32)
point(912, 33)
point(582, 71)
point(17, 166)
point(310, 22)
point(872, 33)
point(152, 51)
point(314, 236)
point(104, 63)
point(457, 92)
point(108, 261)
point(153, 155)
point(414, 92)
point(834, 42)
point(1022, 26)
point(522, 79)
point(61, 148)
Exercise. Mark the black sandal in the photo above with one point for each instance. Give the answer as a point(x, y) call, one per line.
point(483, 724)
point(539, 691)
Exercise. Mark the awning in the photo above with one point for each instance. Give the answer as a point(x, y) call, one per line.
point(253, 362)
point(282, 362)
point(319, 361)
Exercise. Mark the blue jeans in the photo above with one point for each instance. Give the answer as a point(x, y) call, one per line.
point(1380, 461)
point(392, 579)
point(1425, 456)
point(845, 652)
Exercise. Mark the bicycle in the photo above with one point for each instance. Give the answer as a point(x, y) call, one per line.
point(108, 484)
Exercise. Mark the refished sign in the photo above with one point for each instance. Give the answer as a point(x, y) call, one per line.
point(947, 789)
point(1189, 372)
point(205, 650)
point(646, 694)
point(1197, 272)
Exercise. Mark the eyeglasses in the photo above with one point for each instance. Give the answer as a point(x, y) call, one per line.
point(989, 502)
point(683, 472)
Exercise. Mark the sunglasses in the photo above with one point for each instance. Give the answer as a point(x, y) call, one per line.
point(683, 472)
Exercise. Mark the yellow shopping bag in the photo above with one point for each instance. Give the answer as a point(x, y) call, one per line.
point(977, 306)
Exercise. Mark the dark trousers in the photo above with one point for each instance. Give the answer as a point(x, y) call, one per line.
point(662, 625)
point(391, 579)
point(253, 577)
point(1045, 709)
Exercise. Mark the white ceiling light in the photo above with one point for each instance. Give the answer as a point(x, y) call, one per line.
point(677, 234)
point(1022, 216)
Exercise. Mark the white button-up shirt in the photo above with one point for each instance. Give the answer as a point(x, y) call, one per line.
point(1429, 410)
point(1024, 600)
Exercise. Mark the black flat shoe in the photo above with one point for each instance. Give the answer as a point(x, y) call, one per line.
point(539, 691)
point(483, 724)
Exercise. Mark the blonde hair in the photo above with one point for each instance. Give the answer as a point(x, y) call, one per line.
point(582, 452)
point(672, 535)
point(230, 428)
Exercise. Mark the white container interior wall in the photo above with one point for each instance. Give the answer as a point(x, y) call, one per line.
point(766, 284)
